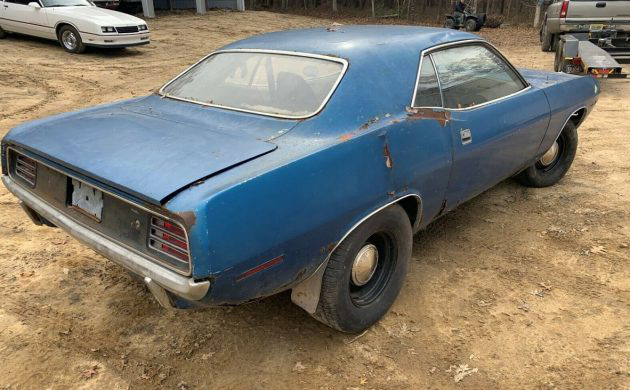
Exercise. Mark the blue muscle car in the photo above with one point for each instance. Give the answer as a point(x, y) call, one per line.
point(300, 160)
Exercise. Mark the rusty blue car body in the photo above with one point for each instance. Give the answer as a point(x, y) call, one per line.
point(265, 200)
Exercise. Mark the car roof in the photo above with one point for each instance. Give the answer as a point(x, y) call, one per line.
point(353, 42)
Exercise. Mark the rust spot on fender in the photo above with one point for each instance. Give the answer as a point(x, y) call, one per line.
point(328, 248)
point(346, 137)
point(428, 113)
point(189, 218)
point(389, 163)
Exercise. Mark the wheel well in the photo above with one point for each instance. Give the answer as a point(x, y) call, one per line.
point(59, 26)
point(577, 117)
point(412, 207)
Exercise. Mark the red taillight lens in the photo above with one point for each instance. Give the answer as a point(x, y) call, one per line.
point(169, 238)
point(564, 9)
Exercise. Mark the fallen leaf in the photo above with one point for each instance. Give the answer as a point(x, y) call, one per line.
point(299, 367)
point(90, 372)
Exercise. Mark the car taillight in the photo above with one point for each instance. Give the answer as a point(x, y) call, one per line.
point(26, 169)
point(169, 238)
point(564, 9)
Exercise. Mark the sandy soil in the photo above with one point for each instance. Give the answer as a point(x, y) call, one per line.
point(519, 288)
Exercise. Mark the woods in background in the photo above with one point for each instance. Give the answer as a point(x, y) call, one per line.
point(428, 11)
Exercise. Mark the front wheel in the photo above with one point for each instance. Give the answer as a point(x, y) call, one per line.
point(556, 161)
point(70, 40)
point(450, 23)
point(2, 33)
point(471, 25)
point(366, 272)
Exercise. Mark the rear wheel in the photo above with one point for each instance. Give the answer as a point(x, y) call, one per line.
point(556, 161)
point(70, 40)
point(366, 272)
point(471, 25)
point(546, 38)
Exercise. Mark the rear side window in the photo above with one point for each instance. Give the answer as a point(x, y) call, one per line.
point(427, 89)
point(471, 75)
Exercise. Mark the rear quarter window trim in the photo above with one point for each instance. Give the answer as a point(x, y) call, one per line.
point(466, 42)
point(342, 61)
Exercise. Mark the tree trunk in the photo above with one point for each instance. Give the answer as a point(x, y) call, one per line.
point(334, 5)
point(373, 11)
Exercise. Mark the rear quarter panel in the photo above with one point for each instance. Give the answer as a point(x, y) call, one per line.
point(566, 94)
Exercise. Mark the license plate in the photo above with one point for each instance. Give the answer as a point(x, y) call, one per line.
point(596, 27)
point(87, 199)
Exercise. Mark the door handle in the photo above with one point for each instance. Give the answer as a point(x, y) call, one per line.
point(466, 136)
point(600, 5)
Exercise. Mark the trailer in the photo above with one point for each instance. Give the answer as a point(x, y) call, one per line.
point(597, 53)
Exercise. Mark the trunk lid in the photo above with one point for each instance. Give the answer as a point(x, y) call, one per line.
point(607, 11)
point(147, 156)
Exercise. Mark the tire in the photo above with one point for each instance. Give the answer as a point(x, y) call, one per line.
point(547, 172)
point(70, 40)
point(555, 40)
point(348, 305)
point(471, 25)
point(2, 33)
point(546, 39)
point(450, 23)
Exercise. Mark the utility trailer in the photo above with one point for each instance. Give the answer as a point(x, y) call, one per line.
point(597, 53)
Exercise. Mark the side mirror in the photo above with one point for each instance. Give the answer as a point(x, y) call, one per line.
point(547, 2)
point(34, 4)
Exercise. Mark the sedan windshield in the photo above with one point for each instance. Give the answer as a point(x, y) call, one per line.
point(65, 3)
point(283, 85)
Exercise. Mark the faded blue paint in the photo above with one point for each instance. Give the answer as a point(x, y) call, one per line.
point(327, 172)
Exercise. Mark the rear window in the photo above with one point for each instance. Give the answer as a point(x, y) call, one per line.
point(283, 85)
point(472, 75)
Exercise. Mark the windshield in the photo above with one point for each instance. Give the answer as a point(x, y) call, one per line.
point(274, 84)
point(65, 3)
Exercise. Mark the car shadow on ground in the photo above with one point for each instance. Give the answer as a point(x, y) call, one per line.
point(93, 52)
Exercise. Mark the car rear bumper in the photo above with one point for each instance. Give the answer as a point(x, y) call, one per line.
point(116, 40)
point(157, 278)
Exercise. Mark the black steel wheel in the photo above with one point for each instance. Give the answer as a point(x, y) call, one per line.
point(555, 162)
point(366, 272)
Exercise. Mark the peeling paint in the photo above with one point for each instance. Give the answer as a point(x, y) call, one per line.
point(369, 122)
point(441, 116)
point(389, 163)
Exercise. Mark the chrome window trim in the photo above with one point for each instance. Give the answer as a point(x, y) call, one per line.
point(279, 52)
point(188, 272)
point(481, 42)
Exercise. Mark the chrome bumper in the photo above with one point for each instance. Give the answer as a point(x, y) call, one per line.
point(156, 277)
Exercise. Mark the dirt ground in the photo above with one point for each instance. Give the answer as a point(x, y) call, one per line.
point(519, 288)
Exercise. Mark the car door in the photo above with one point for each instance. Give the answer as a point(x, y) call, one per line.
point(23, 18)
point(497, 121)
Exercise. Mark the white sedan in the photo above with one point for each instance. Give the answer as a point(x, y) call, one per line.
point(74, 23)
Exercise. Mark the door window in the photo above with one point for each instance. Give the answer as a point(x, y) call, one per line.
point(471, 75)
point(427, 89)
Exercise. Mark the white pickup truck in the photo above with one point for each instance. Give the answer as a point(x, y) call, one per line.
point(582, 16)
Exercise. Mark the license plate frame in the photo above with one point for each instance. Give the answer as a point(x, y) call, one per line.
point(86, 199)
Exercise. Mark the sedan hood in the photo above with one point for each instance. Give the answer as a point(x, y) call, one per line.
point(146, 156)
point(99, 16)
